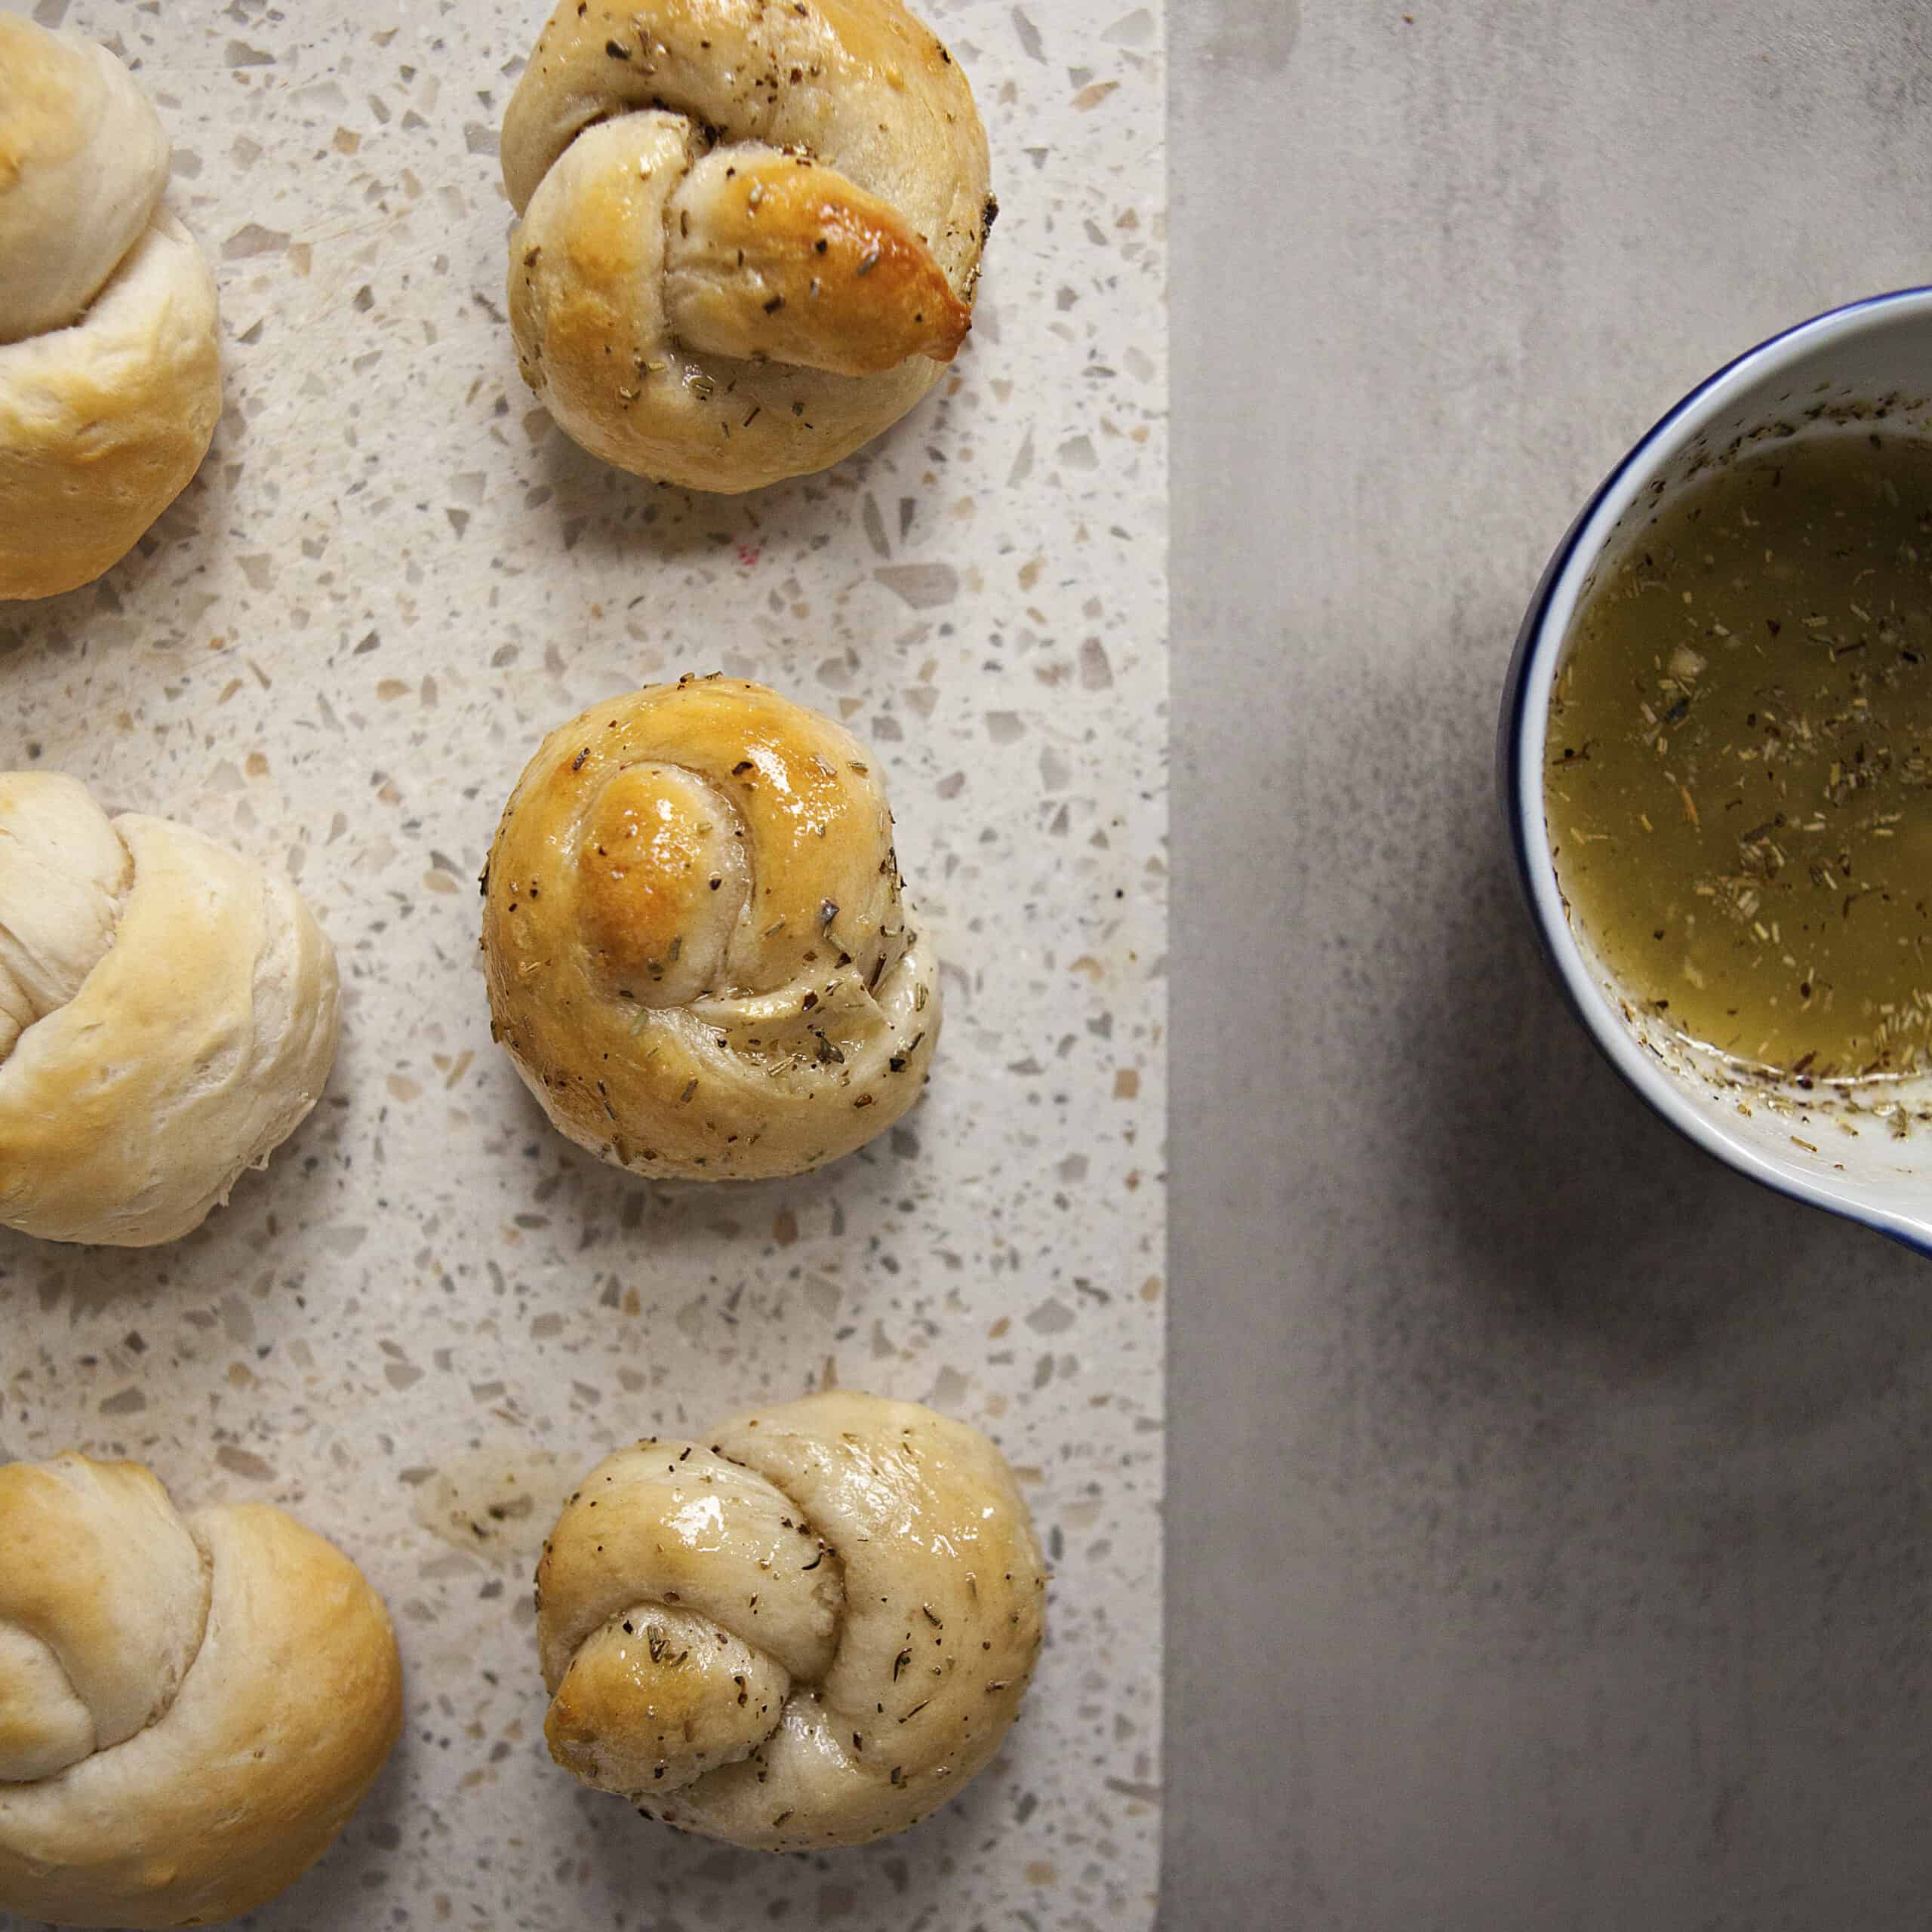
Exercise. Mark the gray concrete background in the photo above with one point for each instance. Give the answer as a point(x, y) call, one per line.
point(1550, 1531)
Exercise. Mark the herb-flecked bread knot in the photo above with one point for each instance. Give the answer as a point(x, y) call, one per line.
point(811, 1629)
point(698, 951)
point(751, 234)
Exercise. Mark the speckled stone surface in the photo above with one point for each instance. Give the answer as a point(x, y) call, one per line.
point(392, 576)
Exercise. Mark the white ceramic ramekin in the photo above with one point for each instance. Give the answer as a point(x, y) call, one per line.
point(1866, 1153)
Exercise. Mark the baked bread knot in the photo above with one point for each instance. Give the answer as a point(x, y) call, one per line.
point(168, 1015)
point(809, 1629)
point(698, 952)
point(751, 232)
point(190, 1707)
point(110, 375)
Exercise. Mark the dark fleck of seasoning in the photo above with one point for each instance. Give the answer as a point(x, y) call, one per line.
point(868, 261)
point(576, 763)
point(616, 50)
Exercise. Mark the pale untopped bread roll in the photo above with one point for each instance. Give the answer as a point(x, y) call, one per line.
point(110, 374)
point(810, 1629)
point(190, 1707)
point(168, 1015)
point(698, 952)
point(751, 233)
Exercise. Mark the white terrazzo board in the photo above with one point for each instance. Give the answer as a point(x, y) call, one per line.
point(392, 576)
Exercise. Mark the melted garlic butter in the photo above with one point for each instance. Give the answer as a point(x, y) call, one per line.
point(1738, 785)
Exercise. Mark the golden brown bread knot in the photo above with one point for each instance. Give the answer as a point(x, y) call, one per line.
point(811, 1630)
point(751, 232)
point(110, 377)
point(190, 1707)
point(697, 950)
point(168, 1016)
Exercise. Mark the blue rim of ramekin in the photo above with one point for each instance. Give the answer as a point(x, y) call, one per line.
point(1521, 788)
